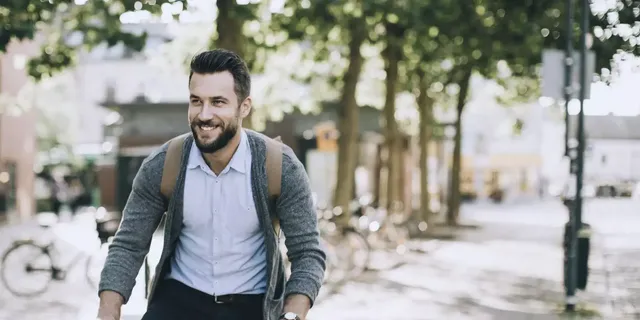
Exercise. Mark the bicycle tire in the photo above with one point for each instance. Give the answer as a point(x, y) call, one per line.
point(361, 251)
point(331, 262)
point(4, 276)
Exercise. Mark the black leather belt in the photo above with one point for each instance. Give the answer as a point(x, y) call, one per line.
point(231, 298)
point(178, 288)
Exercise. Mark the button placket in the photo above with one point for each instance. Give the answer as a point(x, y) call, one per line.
point(214, 243)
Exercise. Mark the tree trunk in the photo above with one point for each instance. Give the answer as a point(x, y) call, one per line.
point(229, 27)
point(348, 123)
point(392, 55)
point(425, 107)
point(453, 205)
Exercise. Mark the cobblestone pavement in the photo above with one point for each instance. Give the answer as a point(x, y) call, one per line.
point(508, 269)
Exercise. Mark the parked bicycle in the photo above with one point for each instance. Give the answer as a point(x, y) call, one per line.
point(347, 249)
point(348, 245)
point(29, 266)
point(387, 233)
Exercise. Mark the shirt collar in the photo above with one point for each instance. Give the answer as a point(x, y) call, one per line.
point(236, 163)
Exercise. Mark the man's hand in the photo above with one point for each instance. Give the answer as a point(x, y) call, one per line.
point(298, 304)
point(110, 305)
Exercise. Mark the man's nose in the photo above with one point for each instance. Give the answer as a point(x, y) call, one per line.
point(206, 113)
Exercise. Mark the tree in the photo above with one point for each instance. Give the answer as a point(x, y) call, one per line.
point(515, 33)
point(230, 35)
point(69, 26)
point(403, 23)
point(64, 27)
point(325, 27)
point(425, 49)
point(494, 31)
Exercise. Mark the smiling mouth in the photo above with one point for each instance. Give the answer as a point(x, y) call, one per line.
point(207, 127)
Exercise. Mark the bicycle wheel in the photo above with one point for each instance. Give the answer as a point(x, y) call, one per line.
point(94, 265)
point(332, 273)
point(27, 269)
point(339, 257)
point(360, 251)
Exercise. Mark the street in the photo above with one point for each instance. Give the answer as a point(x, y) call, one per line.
point(509, 268)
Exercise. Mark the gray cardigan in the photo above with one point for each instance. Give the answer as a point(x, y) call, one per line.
point(146, 206)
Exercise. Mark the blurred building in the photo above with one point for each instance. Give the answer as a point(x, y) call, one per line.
point(146, 125)
point(501, 146)
point(17, 137)
point(612, 155)
point(613, 148)
point(117, 74)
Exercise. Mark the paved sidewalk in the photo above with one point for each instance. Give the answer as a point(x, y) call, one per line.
point(63, 299)
point(508, 270)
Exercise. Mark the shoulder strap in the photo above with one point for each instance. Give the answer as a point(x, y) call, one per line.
point(172, 165)
point(274, 176)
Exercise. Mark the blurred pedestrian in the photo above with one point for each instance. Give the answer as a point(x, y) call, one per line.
point(221, 258)
point(77, 195)
point(57, 191)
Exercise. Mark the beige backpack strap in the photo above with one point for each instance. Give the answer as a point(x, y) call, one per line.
point(274, 177)
point(172, 165)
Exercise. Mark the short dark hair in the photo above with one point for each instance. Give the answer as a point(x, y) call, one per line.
point(220, 60)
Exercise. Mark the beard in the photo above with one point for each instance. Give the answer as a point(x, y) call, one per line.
point(229, 130)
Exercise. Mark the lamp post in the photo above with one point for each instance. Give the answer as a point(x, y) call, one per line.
point(568, 70)
point(575, 220)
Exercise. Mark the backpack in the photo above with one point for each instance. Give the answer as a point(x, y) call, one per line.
point(273, 168)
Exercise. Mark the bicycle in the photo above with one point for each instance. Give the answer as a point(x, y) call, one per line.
point(348, 245)
point(331, 263)
point(43, 265)
point(346, 249)
point(387, 234)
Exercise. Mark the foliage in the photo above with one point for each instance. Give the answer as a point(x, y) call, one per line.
point(57, 115)
point(67, 27)
point(322, 29)
point(56, 123)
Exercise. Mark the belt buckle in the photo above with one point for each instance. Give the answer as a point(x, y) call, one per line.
point(220, 301)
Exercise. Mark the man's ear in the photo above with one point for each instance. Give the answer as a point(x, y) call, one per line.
point(245, 107)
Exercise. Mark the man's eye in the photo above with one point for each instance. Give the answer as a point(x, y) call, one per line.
point(195, 101)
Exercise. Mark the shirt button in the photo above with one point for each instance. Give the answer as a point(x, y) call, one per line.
point(217, 180)
point(216, 239)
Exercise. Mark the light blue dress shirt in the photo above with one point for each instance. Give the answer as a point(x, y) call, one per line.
point(221, 248)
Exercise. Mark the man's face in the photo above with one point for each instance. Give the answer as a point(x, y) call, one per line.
point(214, 112)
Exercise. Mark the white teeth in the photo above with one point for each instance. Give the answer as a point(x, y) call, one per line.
point(206, 128)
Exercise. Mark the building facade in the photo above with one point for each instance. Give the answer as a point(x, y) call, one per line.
point(501, 146)
point(17, 137)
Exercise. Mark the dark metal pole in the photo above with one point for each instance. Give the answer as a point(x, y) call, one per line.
point(568, 70)
point(576, 224)
point(582, 143)
point(570, 254)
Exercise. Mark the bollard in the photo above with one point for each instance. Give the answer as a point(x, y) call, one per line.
point(583, 250)
point(584, 245)
point(566, 242)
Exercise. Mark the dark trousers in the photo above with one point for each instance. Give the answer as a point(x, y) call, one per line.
point(174, 300)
